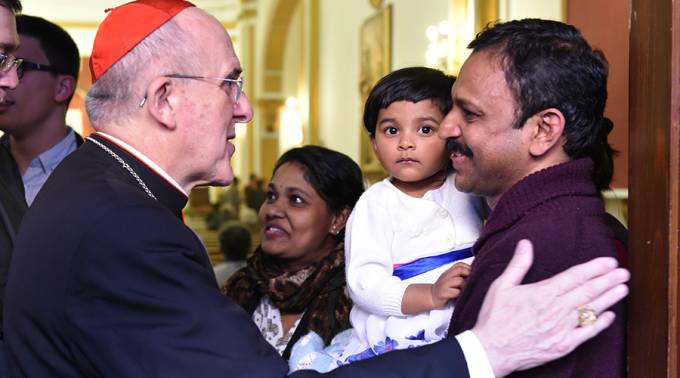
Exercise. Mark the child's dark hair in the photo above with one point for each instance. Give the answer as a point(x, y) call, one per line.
point(411, 84)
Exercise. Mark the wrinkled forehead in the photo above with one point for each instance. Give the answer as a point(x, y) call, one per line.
point(213, 43)
point(482, 81)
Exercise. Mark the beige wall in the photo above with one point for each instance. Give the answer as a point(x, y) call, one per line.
point(339, 44)
point(518, 9)
point(340, 22)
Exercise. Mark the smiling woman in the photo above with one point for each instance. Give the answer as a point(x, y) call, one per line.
point(295, 281)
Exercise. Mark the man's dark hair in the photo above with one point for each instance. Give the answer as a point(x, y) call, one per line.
point(235, 243)
point(59, 47)
point(13, 5)
point(548, 64)
point(411, 84)
point(335, 176)
point(603, 157)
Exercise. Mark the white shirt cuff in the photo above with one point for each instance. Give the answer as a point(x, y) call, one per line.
point(475, 356)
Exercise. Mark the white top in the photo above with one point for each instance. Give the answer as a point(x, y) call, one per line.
point(389, 227)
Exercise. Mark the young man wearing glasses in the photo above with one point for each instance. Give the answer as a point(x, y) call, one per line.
point(33, 115)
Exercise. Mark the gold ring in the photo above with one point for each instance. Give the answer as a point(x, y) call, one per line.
point(586, 316)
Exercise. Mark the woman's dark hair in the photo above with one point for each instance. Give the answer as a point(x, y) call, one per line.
point(335, 176)
point(411, 84)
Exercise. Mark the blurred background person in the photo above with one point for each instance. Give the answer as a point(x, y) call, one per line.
point(230, 200)
point(235, 244)
point(255, 193)
point(227, 207)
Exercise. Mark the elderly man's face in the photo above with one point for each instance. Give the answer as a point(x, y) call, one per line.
point(212, 110)
point(9, 40)
point(489, 154)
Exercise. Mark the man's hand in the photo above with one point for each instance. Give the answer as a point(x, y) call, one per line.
point(449, 284)
point(523, 326)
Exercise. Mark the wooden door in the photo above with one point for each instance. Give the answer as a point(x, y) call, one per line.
point(653, 188)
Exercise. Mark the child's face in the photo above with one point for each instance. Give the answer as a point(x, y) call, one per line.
point(406, 140)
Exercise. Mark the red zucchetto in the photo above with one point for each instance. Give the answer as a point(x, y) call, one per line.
point(127, 25)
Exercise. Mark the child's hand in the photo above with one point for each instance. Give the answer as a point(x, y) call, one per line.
point(450, 284)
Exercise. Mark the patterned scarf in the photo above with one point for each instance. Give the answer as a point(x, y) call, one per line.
point(319, 290)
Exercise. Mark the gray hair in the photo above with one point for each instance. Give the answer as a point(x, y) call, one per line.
point(116, 95)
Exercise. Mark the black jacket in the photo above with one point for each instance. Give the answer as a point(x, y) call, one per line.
point(12, 209)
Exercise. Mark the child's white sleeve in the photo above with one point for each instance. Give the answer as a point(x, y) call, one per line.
point(368, 245)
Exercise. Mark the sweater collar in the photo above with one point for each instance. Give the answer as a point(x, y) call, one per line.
point(573, 178)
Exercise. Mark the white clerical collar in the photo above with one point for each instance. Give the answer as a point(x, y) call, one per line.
point(154, 167)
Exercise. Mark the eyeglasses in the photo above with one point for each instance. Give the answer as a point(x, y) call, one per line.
point(236, 85)
point(7, 61)
point(30, 66)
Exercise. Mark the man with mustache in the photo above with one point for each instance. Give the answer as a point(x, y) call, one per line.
point(525, 133)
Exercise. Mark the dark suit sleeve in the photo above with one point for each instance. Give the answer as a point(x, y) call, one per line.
point(142, 302)
point(12, 209)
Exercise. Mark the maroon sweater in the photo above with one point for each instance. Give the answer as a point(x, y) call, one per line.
point(559, 210)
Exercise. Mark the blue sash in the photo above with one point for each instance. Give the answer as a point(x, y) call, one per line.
point(426, 264)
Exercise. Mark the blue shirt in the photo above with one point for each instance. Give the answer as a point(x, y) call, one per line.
point(42, 166)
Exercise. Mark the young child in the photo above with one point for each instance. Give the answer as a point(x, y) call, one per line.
point(409, 233)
